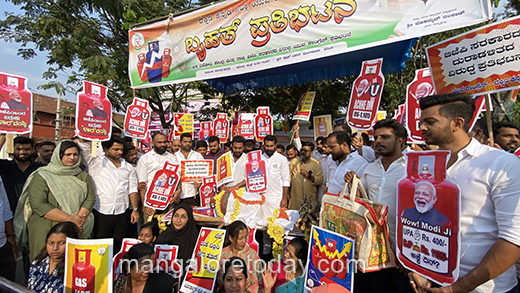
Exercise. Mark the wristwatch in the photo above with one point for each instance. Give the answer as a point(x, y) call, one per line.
point(135, 209)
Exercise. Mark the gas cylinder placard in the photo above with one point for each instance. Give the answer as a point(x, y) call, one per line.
point(165, 259)
point(88, 266)
point(125, 246)
point(93, 112)
point(420, 87)
point(206, 130)
point(322, 125)
point(221, 127)
point(263, 123)
point(245, 127)
point(163, 186)
point(330, 262)
point(208, 190)
point(256, 172)
point(366, 95)
point(224, 171)
point(428, 221)
point(16, 115)
point(137, 119)
point(182, 123)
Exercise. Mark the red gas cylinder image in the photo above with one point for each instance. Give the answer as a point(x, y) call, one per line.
point(251, 241)
point(83, 273)
point(167, 62)
point(263, 123)
point(141, 60)
point(15, 105)
point(322, 127)
point(93, 112)
point(428, 222)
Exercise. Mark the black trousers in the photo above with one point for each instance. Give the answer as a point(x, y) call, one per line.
point(111, 226)
point(7, 262)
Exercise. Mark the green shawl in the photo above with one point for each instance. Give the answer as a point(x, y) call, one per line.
point(69, 191)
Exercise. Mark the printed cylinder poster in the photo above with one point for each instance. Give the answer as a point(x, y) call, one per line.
point(246, 125)
point(16, 115)
point(234, 123)
point(207, 252)
point(207, 190)
point(88, 266)
point(484, 60)
point(304, 108)
point(330, 260)
point(224, 172)
point(165, 256)
point(125, 246)
point(221, 127)
point(420, 87)
point(195, 170)
point(163, 186)
point(366, 95)
point(182, 123)
point(428, 221)
point(137, 119)
point(263, 123)
point(93, 112)
point(206, 130)
point(256, 180)
point(322, 125)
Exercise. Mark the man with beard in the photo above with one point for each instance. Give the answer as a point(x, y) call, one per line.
point(291, 152)
point(318, 154)
point(489, 182)
point(238, 163)
point(175, 145)
point(45, 150)
point(249, 146)
point(15, 172)
point(306, 176)
point(424, 197)
point(189, 189)
point(116, 190)
point(152, 162)
point(97, 111)
point(130, 154)
point(506, 136)
point(339, 143)
point(214, 151)
point(380, 182)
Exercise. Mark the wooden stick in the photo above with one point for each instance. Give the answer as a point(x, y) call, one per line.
point(488, 119)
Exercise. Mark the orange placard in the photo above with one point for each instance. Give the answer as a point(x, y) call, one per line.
point(196, 170)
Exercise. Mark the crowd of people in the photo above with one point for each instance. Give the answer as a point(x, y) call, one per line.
point(51, 192)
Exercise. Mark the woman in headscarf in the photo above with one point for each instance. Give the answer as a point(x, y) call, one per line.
point(59, 192)
point(182, 232)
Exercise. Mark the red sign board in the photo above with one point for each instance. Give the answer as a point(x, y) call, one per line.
point(93, 112)
point(256, 172)
point(15, 105)
point(206, 130)
point(221, 127)
point(207, 190)
point(263, 123)
point(163, 185)
point(246, 125)
point(420, 87)
point(137, 119)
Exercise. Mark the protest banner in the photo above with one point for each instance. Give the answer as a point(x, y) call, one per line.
point(484, 60)
point(195, 170)
point(125, 246)
point(322, 125)
point(182, 123)
point(428, 218)
point(206, 130)
point(162, 187)
point(330, 260)
point(145, 144)
point(245, 127)
point(256, 179)
point(16, 115)
point(420, 87)
point(137, 119)
point(221, 127)
point(165, 256)
point(236, 37)
point(207, 252)
point(93, 112)
point(155, 121)
point(224, 171)
point(304, 108)
point(234, 123)
point(208, 190)
point(366, 95)
point(88, 266)
point(263, 123)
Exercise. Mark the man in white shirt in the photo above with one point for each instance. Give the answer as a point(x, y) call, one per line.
point(318, 153)
point(189, 189)
point(116, 190)
point(339, 143)
point(489, 182)
point(238, 164)
point(150, 163)
point(7, 239)
point(380, 182)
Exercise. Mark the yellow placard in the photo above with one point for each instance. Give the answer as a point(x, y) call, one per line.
point(224, 171)
point(322, 125)
point(303, 110)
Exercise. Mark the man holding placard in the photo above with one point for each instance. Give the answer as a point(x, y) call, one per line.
point(189, 189)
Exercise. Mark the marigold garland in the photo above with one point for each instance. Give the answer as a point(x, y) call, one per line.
point(276, 232)
point(218, 198)
point(238, 199)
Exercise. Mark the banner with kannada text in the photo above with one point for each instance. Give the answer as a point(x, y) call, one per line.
point(16, 115)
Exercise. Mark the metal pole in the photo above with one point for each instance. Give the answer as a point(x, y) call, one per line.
point(57, 130)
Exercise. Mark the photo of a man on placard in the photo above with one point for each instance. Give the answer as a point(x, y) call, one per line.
point(98, 110)
point(14, 102)
point(425, 197)
point(255, 171)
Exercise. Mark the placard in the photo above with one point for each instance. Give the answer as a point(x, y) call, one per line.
point(420, 87)
point(137, 119)
point(221, 127)
point(322, 125)
point(165, 256)
point(224, 171)
point(234, 123)
point(304, 108)
point(196, 170)
point(88, 266)
point(93, 112)
point(206, 130)
point(207, 253)
point(182, 123)
point(246, 125)
point(366, 95)
point(263, 123)
point(145, 144)
point(125, 246)
point(330, 260)
point(256, 179)
point(16, 115)
point(208, 190)
point(428, 221)
point(484, 60)
point(163, 186)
